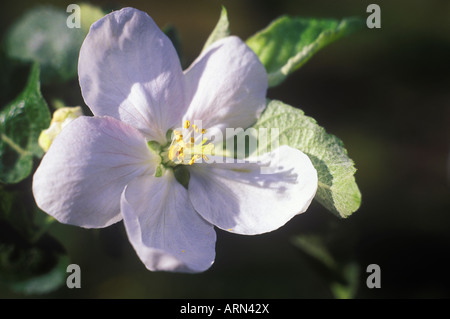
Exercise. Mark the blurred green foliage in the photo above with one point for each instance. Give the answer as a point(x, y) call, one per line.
point(384, 92)
point(41, 35)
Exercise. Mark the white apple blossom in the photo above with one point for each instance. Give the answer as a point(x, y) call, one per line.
point(101, 169)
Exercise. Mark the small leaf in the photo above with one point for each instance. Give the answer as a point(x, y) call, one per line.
point(31, 268)
point(42, 35)
point(221, 30)
point(21, 122)
point(337, 190)
point(287, 43)
point(182, 175)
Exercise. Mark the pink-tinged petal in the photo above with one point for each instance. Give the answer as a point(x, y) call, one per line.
point(238, 198)
point(129, 69)
point(164, 229)
point(226, 86)
point(81, 177)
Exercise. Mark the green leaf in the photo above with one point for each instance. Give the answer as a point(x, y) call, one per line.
point(337, 190)
point(21, 122)
point(221, 30)
point(42, 35)
point(31, 268)
point(287, 43)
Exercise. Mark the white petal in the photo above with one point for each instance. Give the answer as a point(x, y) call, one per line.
point(163, 228)
point(81, 177)
point(226, 86)
point(129, 69)
point(238, 198)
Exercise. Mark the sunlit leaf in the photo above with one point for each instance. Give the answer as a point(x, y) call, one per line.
point(287, 43)
point(337, 190)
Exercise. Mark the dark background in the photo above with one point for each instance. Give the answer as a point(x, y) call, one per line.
point(384, 92)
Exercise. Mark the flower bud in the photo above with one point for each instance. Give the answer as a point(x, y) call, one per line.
point(61, 117)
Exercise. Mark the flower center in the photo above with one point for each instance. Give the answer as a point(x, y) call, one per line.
point(189, 145)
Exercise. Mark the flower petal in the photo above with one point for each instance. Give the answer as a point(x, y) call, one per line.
point(238, 198)
point(226, 86)
point(163, 228)
point(81, 177)
point(129, 69)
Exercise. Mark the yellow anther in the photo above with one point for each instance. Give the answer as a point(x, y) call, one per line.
point(173, 150)
point(184, 150)
point(193, 159)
